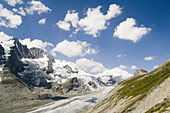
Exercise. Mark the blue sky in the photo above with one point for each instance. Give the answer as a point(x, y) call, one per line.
point(151, 15)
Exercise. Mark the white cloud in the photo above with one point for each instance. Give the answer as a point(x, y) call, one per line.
point(19, 11)
point(149, 58)
point(14, 9)
point(127, 30)
point(63, 25)
point(72, 49)
point(14, 2)
point(37, 6)
point(8, 18)
point(122, 67)
point(4, 37)
point(120, 55)
point(133, 67)
point(36, 43)
point(114, 10)
point(90, 65)
point(154, 67)
point(42, 21)
point(93, 23)
point(71, 18)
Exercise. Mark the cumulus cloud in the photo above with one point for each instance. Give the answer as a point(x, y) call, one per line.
point(149, 58)
point(90, 65)
point(42, 21)
point(4, 37)
point(122, 67)
point(71, 18)
point(127, 30)
point(36, 43)
point(37, 6)
point(120, 55)
point(8, 18)
point(14, 2)
point(133, 67)
point(93, 23)
point(64, 25)
point(73, 48)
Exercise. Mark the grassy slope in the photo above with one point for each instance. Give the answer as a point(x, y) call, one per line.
point(140, 85)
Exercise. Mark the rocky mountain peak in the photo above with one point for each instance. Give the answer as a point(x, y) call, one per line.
point(37, 53)
point(140, 72)
point(20, 50)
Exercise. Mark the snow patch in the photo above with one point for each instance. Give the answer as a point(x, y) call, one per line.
point(6, 42)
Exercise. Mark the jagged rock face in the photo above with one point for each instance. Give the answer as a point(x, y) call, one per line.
point(21, 50)
point(69, 69)
point(2, 60)
point(33, 75)
point(39, 53)
point(16, 66)
point(49, 68)
point(17, 52)
point(70, 87)
point(140, 72)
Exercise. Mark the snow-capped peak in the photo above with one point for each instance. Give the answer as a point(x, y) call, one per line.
point(116, 72)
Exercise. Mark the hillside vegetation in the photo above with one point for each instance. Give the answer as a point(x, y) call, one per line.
point(129, 95)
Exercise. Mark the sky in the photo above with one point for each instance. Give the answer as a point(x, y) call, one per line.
point(95, 34)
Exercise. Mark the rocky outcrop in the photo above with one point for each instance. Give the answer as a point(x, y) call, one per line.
point(69, 69)
point(39, 53)
point(72, 86)
point(2, 59)
point(21, 50)
point(33, 76)
point(138, 94)
point(140, 72)
point(17, 52)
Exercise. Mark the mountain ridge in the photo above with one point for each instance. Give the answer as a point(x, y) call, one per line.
point(43, 77)
point(134, 92)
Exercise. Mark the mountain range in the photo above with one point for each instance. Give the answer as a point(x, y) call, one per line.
point(31, 77)
point(32, 74)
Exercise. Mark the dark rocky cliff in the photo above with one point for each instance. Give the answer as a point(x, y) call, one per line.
point(2, 59)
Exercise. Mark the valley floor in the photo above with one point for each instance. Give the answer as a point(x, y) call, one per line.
point(73, 104)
